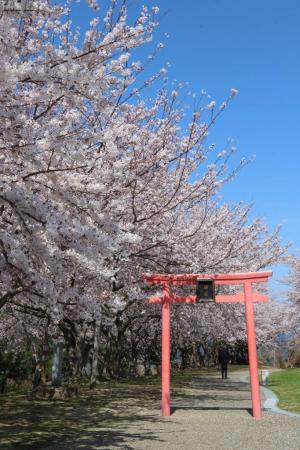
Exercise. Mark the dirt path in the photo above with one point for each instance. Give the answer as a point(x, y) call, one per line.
point(209, 414)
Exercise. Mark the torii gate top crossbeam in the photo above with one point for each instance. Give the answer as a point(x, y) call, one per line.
point(190, 279)
point(219, 279)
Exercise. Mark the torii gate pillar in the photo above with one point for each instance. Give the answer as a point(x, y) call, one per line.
point(248, 297)
point(165, 354)
point(252, 352)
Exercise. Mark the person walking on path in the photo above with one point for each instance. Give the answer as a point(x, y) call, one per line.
point(223, 358)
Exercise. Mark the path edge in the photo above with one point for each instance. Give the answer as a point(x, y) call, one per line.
point(271, 400)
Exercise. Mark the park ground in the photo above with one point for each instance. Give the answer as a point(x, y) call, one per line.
point(207, 413)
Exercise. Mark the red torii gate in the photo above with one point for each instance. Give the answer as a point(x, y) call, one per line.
point(248, 296)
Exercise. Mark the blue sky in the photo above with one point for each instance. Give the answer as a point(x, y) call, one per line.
point(254, 47)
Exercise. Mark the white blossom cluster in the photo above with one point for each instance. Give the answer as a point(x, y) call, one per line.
point(95, 178)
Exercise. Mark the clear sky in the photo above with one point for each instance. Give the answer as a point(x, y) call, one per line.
point(253, 46)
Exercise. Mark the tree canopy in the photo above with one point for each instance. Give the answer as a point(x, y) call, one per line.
point(104, 175)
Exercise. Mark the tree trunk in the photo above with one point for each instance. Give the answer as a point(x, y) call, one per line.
point(95, 361)
point(3, 383)
point(57, 363)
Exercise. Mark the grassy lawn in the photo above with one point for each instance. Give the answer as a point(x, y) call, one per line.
point(286, 385)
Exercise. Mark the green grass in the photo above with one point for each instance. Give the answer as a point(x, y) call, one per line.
point(286, 385)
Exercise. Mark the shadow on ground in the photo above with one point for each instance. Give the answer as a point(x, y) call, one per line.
point(38, 424)
point(219, 384)
point(209, 408)
point(100, 418)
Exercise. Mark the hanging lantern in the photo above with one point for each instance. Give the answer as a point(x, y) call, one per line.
point(205, 290)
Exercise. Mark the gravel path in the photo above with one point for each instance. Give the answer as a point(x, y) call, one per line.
point(209, 414)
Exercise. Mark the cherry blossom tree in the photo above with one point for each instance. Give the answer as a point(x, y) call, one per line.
point(293, 278)
point(293, 292)
point(50, 226)
point(101, 181)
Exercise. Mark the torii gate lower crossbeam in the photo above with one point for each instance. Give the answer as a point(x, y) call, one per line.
point(248, 296)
